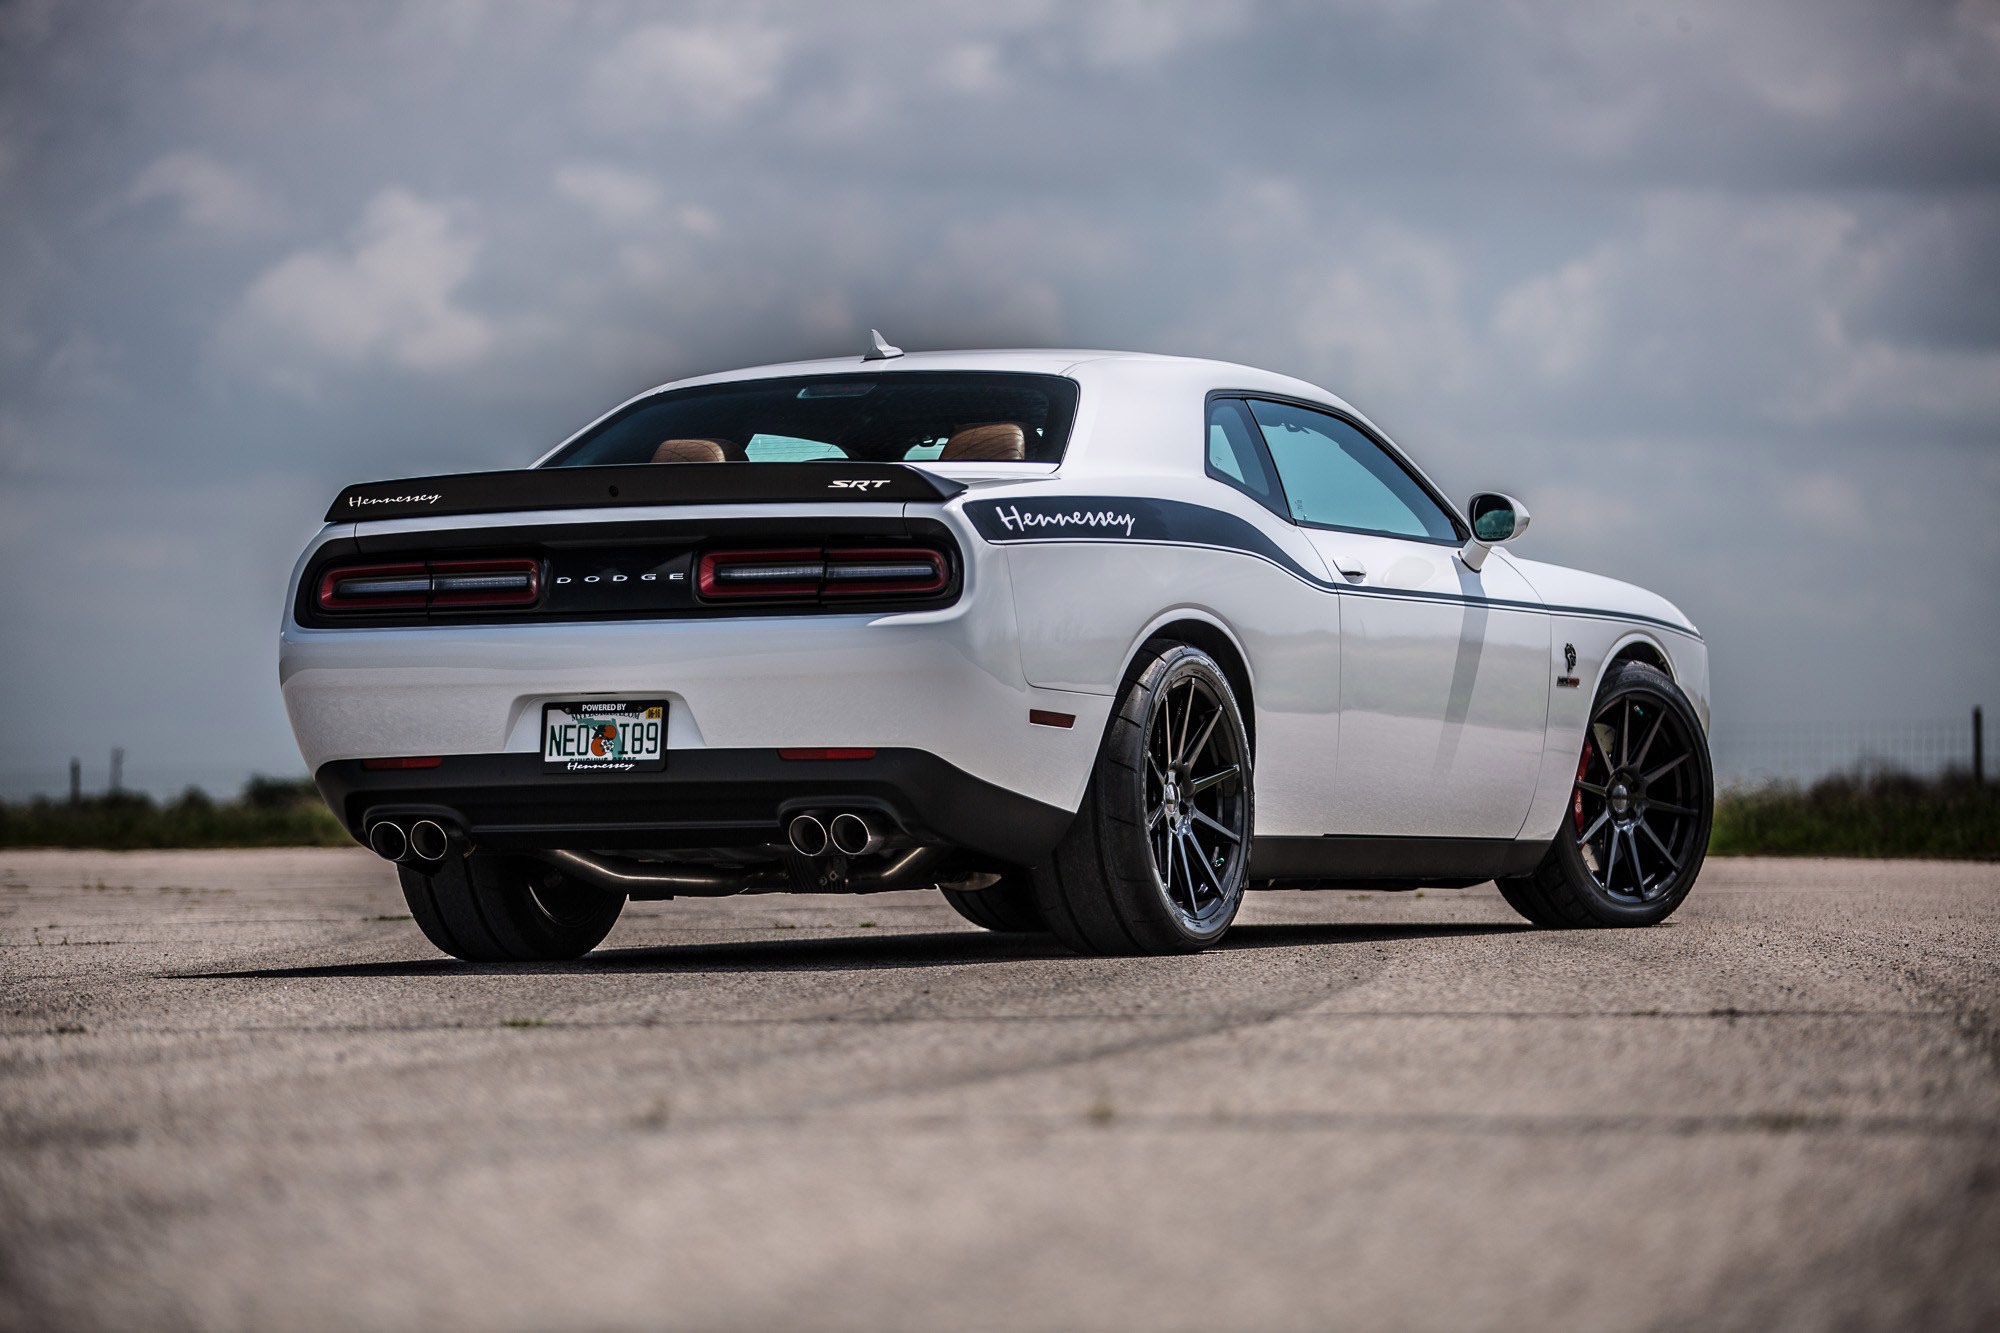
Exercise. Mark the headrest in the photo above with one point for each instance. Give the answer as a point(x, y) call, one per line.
point(998, 442)
point(691, 451)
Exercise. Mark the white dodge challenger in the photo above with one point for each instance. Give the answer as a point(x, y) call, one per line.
point(1093, 642)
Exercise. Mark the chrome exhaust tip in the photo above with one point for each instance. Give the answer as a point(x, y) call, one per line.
point(808, 836)
point(852, 835)
point(430, 840)
point(388, 840)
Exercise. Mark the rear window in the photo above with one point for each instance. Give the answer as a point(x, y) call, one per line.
point(902, 417)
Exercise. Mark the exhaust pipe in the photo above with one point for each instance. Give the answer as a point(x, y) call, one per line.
point(853, 836)
point(808, 836)
point(430, 840)
point(388, 841)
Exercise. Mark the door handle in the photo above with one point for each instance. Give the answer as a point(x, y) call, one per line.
point(1350, 566)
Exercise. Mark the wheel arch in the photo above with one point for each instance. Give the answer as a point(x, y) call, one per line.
point(1197, 630)
point(1638, 647)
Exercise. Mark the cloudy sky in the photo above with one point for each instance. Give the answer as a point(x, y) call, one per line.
point(1714, 287)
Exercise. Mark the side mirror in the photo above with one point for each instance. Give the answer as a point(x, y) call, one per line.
point(1495, 518)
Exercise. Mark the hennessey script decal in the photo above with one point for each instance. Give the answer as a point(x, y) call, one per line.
point(1015, 520)
point(361, 501)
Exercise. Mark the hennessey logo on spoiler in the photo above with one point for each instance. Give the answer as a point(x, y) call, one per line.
point(361, 501)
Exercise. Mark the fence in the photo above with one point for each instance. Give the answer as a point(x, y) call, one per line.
point(1804, 751)
point(1747, 752)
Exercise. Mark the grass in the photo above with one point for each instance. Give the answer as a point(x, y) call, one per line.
point(268, 812)
point(1871, 815)
point(1863, 814)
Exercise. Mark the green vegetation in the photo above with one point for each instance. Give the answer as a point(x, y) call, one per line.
point(1876, 814)
point(270, 812)
point(1879, 814)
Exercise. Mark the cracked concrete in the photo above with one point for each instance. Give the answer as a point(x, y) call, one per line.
point(237, 1089)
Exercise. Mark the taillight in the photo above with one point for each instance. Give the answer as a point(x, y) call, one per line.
point(374, 588)
point(822, 573)
point(793, 573)
point(442, 583)
point(485, 582)
point(875, 573)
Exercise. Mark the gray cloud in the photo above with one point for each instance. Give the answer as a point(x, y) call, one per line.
point(1712, 285)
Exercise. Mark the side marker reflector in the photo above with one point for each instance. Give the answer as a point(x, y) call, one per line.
point(404, 761)
point(1042, 717)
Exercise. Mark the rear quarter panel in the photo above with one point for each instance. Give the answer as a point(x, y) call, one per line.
point(1086, 606)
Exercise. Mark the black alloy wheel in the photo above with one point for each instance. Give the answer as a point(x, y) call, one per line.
point(1158, 856)
point(1635, 829)
point(1197, 802)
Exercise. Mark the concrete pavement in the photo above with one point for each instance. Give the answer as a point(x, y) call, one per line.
point(237, 1089)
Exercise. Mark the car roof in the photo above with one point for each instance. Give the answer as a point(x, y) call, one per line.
point(1075, 361)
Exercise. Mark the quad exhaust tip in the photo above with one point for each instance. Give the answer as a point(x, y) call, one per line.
point(429, 840)
point(852, 835)
point(808, 835)
point(388, 841)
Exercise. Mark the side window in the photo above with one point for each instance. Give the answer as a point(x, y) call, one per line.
point(787, 449)
point(1236, 457)
point(1336, 477)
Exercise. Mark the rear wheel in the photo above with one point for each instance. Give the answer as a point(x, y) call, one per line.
point(1006, 906)
point(497, 909)
point(1636, 830)
point(1156, 859)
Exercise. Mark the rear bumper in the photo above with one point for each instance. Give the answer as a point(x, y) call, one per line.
point(705, 798)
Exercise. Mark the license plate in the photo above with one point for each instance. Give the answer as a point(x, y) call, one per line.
point(615, 736)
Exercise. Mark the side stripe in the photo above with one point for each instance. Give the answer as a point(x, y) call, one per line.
point(1148, 522)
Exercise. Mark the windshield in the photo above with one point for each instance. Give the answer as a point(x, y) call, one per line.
point(900, 417)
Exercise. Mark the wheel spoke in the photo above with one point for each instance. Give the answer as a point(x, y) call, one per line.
point(1601, 732)
point(1200, 746)
point(1603, 818)
point(1625, 737)
point(1671, 808)
point(1666, 768)
point(1175, 752)
point(1645, 746)
point(1201, 817)
point(1207, 870)
point(1187, 871)
point(1672, 860)
point(1153, 819)
point(1200, 785)
point(1593, 788)
point(1611, 860)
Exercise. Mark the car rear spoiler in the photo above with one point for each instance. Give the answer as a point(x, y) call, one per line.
point(638, 484)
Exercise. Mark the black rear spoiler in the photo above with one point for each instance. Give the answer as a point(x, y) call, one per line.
point(638, 484)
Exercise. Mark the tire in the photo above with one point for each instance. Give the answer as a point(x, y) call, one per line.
point(1103, 891)
point(1636, 829)
point(1007, 906)
point(507, 909)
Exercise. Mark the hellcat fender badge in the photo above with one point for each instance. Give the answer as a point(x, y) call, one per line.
point(1568, 681)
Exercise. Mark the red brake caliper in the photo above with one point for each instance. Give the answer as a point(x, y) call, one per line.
point(1576, 806)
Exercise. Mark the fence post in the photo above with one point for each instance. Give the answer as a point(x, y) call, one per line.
point(117, 770)
point(76, 782)
point(1978, 745)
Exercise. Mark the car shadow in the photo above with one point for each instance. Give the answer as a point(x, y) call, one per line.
point(856, 953)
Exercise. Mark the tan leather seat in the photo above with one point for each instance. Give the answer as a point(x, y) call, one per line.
point(691, 451)
point(997, 442)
